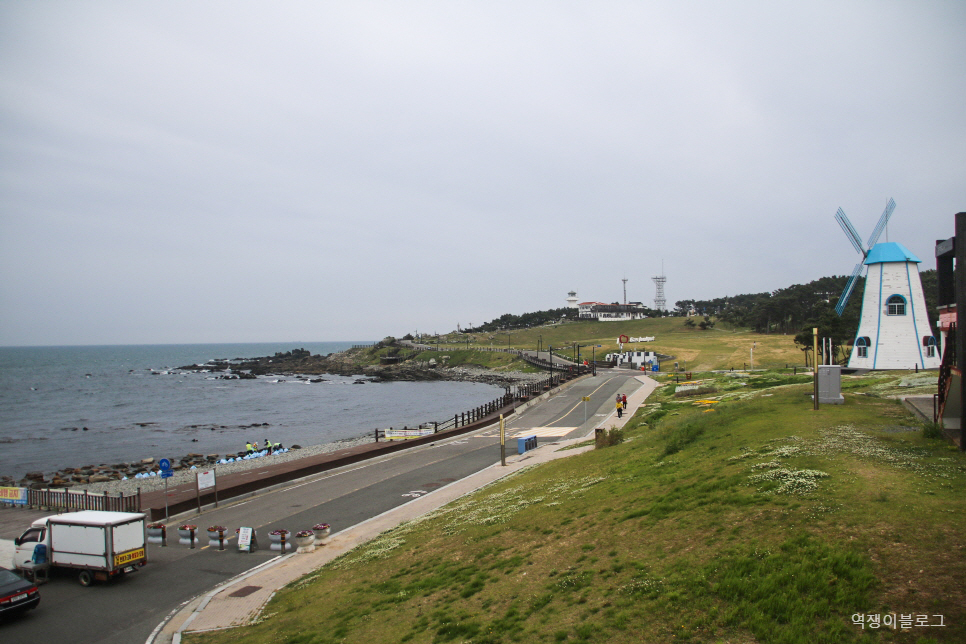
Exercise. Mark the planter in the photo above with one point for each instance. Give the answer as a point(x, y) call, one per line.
point(155, 534)
point(213, 537)
point(321, 530)
point(276, 540)
point(305, 543)
point(184, 537)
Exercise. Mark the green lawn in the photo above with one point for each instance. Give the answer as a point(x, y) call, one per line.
point(754, 519)
point(717, 348)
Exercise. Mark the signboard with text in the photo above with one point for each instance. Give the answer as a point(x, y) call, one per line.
point(206, 479)
point(13, 495)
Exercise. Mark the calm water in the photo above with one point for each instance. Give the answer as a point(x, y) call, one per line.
point(134, 404)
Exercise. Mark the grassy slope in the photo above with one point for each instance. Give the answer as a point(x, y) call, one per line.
point(667, 537)
point(718, 348)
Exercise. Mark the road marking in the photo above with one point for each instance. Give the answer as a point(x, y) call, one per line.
point(415, 493)
point(544, 431)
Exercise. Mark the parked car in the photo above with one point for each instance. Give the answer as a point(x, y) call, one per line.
point(16, 593)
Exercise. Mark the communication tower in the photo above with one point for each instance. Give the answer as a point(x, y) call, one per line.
point(659, 281)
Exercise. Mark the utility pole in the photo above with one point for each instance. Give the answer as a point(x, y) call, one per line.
point(625, 290)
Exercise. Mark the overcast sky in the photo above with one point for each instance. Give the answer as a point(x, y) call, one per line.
point(179, 172)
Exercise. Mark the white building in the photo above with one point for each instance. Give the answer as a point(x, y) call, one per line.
point(572, 300)
point(894, 331)
point(612, 312)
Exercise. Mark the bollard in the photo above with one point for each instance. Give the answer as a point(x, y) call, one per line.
point(192, 537)
point(377, 434)
point(283, 543)
point(164, 536)
point(221, 539)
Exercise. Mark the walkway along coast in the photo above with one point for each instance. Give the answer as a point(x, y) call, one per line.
point(184, 497)
point(266, 474)
point(240, 600)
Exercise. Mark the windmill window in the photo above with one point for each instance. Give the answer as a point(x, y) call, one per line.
point(862, 346)
point(897, 305)
point(930, 343)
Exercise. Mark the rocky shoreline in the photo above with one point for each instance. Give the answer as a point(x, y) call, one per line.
point(300, 363)
point(297, 363)
point(120, 477)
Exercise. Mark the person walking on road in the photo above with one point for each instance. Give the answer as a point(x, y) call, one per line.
point(624, 400)
point(620, 408)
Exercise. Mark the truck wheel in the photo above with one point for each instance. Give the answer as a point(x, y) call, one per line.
point(85, 578)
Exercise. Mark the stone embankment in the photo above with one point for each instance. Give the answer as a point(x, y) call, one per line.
point(107, 478)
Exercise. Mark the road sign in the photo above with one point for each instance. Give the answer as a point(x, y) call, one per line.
point(166, 474)
point(164, 464)
point(585, 398)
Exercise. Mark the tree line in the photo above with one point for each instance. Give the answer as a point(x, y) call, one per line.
point(801, 307)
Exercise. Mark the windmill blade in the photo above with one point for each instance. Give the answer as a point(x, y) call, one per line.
point(847, 291)
point(883, 222)
point(849, 230)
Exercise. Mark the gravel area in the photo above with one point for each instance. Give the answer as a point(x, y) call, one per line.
point(131, 485)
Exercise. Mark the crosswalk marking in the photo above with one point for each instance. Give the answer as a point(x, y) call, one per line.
point(543, 431)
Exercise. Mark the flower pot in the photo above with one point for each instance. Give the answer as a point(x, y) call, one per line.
point(154, 535)
point(213, 537)
point(276, 540)
point(321, 534)
point(305, 544)
point(184, 537)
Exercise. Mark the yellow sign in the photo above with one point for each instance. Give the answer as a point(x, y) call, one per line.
point(128, 557)
point(17, 495)
point(586, 398)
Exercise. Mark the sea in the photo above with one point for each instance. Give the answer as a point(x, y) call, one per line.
point(89, 405)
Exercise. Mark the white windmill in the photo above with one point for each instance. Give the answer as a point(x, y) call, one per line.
point(894, 331)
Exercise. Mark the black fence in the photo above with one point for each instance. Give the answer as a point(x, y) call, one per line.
point(70, 501)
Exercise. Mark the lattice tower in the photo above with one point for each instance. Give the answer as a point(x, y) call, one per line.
point(659, 300)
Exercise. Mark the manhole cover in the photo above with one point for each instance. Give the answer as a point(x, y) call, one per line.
point(245, 591)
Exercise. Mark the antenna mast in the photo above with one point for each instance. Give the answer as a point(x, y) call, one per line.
point(625, 289)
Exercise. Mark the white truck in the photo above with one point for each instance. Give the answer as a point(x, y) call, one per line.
point(101, 545)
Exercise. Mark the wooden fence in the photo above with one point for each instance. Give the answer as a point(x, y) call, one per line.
point(71, 500)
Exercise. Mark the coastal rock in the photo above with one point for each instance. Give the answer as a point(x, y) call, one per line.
point(99, 478)
point(34, 476)
point(147, 461)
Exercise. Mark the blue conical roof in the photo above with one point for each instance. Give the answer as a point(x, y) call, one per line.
point(890, 252)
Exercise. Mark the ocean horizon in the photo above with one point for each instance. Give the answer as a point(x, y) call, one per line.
point(74, 405)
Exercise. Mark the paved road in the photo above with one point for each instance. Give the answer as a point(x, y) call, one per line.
point(127, 610)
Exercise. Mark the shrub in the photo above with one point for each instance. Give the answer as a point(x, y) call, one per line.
point(608, 438)
point(932, 430)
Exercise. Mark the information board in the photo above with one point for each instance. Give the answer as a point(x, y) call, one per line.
point(245, 538)
point(206, 479)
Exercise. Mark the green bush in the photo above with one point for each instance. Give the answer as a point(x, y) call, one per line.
point(932, 430)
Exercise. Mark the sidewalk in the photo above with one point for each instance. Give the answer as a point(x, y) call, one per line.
point(239, 600)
